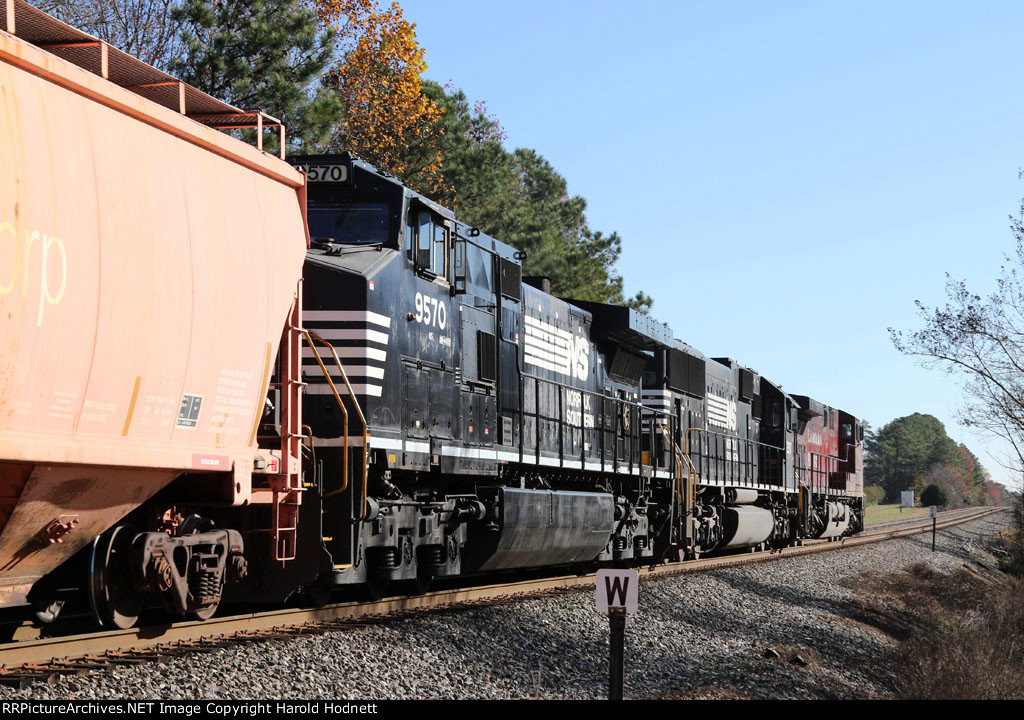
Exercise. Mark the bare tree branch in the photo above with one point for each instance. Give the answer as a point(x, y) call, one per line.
point(980, 342)
point(142, 28)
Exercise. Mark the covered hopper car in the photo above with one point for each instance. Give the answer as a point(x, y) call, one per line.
point(149, 269)
point(228, 378)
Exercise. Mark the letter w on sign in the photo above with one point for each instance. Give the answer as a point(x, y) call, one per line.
point(617, 589)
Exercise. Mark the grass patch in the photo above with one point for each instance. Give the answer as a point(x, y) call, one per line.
point(881, 513)
point(962, 635)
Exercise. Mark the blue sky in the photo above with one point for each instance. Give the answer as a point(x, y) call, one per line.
point(788, 178)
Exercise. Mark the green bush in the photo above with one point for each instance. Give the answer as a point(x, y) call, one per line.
point(873, 494)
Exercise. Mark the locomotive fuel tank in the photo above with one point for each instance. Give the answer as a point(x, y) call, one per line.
point(147, 267)
point(746, 526)
point(542, 527)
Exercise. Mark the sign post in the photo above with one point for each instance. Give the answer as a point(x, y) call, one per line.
point(617, 620)
point(617, 592)
point(935, 514)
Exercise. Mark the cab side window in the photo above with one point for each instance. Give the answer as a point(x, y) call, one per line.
point(423, 243)
point(439, 260)
point(427, 243)
point(410, 235)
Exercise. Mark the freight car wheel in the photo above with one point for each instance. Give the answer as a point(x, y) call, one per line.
point(46, 611)
point(115, 603)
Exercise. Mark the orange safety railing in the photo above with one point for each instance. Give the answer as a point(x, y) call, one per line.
point(287, 486)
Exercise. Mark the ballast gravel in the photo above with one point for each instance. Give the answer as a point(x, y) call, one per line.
point(768, 630)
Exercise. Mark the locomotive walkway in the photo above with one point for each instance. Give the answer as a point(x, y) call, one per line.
point(26, 661)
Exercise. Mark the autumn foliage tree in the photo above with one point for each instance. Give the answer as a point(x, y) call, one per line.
point(388, 120)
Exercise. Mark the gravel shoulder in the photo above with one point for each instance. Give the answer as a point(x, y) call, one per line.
point(708, 635)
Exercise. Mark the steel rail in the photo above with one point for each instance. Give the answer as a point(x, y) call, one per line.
point(944, 515)
point(33, 660)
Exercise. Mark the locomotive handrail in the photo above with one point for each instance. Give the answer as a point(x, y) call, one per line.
point(602, 430)
point(825, 466)
point(310, 336)
point(595, 393)
point(691, 471)
point(749, 443)
point(692, 499)
point(341, 404)
point(309, 434)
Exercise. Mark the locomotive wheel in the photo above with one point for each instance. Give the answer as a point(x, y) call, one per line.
point(204, 613)
point(583, 568)
point(115, 603)
point(421, 585)
point(373, 589)
point(317, 595)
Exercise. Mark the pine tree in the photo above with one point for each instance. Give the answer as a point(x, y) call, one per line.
point(260, 55)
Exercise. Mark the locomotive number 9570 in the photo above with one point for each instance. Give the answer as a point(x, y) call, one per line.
point(431, 312)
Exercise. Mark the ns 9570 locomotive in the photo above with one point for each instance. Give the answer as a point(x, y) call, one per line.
point(464, 420)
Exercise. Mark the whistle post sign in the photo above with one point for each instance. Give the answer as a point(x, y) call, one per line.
point(617, 589)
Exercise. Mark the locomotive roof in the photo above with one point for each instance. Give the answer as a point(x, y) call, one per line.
point(809, 407)
point(626, 325)
point(688, 349)
point(360, 166)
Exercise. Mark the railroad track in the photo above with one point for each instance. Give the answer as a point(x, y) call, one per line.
point(44, 659)
point(944, 515)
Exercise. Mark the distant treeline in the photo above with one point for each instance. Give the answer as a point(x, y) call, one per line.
point(914, 452)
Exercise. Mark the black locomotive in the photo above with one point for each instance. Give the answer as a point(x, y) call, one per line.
point(464, 420)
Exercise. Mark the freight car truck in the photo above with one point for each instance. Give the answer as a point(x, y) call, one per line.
point(150, 266)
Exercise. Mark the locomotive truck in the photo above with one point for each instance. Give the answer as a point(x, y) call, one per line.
point(228, 378)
